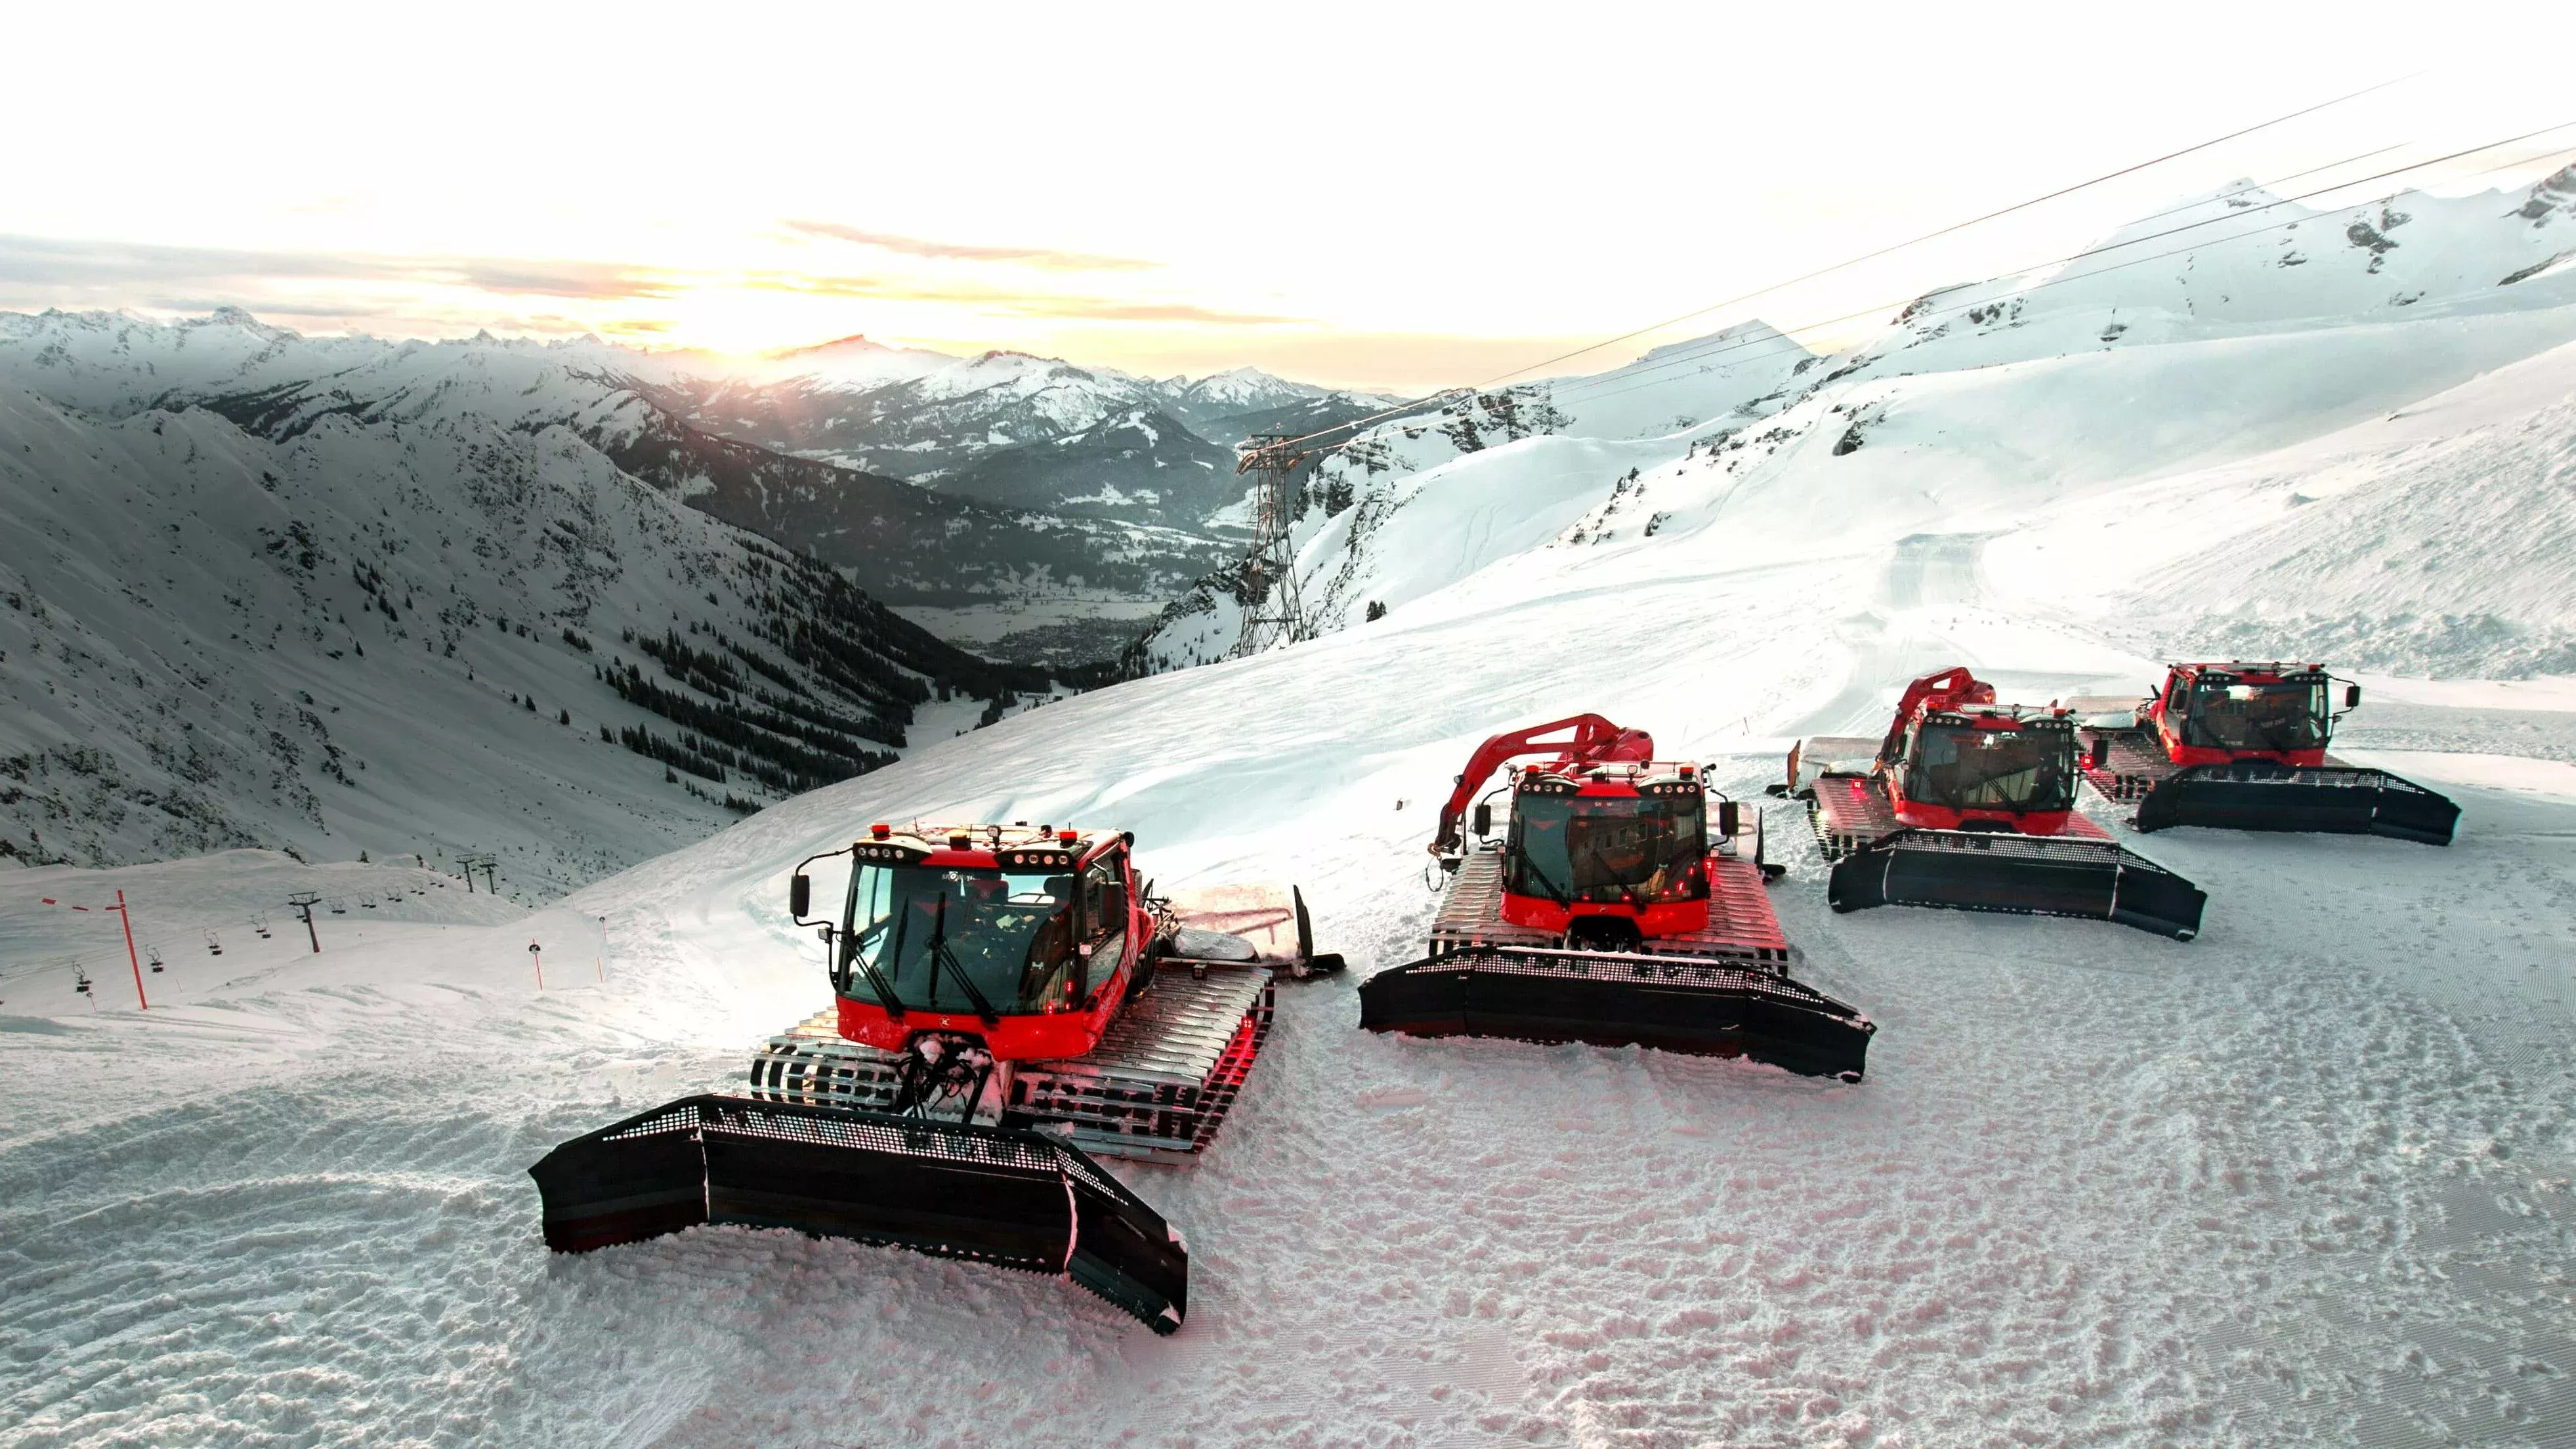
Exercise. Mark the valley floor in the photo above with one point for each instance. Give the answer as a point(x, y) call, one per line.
point(2305, 1180)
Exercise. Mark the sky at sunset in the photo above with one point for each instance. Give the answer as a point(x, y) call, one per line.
point(1382, 196)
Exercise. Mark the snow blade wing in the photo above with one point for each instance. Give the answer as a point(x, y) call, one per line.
point(1612, 998)
point(1005, 1196)
point(2328, 799)
point(2032, 875)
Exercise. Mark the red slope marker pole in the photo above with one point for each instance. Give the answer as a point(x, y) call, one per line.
point(139, 1003)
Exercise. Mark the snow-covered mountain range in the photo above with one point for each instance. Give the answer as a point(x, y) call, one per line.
point(213, 640)
point(995, 493)
point(2206, 337)
point(265, 589)
point(2304, 1180)
point(1007, 428)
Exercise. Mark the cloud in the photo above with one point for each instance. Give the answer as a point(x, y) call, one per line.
point(52, 262)
point(913, 246)
point(1009, 302)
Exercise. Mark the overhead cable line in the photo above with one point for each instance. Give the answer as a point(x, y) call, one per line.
point(1716, 343)
point(1420, 404)
point(1953, 227)
point(1576, 389)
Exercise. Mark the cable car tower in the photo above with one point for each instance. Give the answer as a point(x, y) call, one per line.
point(1272, 612)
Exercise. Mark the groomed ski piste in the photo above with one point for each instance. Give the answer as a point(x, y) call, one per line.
point(2303, 1180)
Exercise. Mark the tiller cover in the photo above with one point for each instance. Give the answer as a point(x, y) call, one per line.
point(2332, 799)
point(1967, 870)
point(1611, 998)
point(996, 1195)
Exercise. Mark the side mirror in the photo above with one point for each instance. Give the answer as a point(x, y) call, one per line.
point(1484, 818)
point(800, 893)
point(2352, 696)
point(1730, 818)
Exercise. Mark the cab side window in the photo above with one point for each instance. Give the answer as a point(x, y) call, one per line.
point(1104, 900)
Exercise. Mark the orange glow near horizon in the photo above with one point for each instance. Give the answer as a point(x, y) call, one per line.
point(1470, 200)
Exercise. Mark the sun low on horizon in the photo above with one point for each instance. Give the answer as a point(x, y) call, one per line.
point(1286, 201)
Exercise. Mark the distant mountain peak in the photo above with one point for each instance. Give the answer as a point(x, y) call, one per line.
point(230, 316)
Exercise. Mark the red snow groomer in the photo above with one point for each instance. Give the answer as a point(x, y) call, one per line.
point(2242, 746)
point(1006, 1000)
point(1970, 805)
point(1610, 911)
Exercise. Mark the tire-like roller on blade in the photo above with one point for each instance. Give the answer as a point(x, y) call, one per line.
point(2242, 746)
point(1969, 805)
point(1619, 902)
point(1006, 1001)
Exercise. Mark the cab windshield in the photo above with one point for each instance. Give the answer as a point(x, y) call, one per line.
point(1568, 848)
point(940, 938)
point(1961, 768)
point(2286, 716)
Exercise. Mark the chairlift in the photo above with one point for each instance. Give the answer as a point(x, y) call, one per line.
point(366, 903)
point(213, 946)
point(339, 907)
point(155, 953)
point(260, 924)
point(80, 981)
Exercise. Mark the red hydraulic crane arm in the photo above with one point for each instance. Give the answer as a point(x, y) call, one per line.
point(1948, 689)
point(1594, 741)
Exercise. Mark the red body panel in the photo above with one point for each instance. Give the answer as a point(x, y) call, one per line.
point(1591, 740)
point(1958, 692)
point(1668, 918)
point(1653, 918)
point(1071, 1029)
point(1941, 817)
point(2168, 731)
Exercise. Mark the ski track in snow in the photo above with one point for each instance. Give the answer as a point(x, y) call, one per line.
point(2304, 1180)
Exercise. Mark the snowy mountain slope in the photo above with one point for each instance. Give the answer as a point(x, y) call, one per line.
point(1138, 465)
point(1978, 403)
point(982, 427)
point(1219, 396)
point(1643, 414)
point(2099, 1187)
point(411, 634)
point(2435, 539)
point(906, 543)
point(913, 413)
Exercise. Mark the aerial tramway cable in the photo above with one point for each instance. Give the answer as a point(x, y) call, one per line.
point(1421, 404)
point(1576, 389)
point(1947, 230)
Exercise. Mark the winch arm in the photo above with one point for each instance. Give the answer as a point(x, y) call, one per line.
point(1948, 689)
point(1593, 740)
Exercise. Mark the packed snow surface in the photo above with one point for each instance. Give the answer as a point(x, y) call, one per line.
point(2303, 1180)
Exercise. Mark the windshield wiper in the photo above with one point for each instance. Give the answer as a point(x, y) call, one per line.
point(877, 983)
point(2272, 740)
point(940, 956)
point(1530, 868)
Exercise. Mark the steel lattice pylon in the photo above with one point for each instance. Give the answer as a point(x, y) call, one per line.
point(1272, 611)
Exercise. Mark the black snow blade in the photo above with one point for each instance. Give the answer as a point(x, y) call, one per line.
point(1003, 1196)
point(1611, 998)
point(2031, 875)
point(2326, 799)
